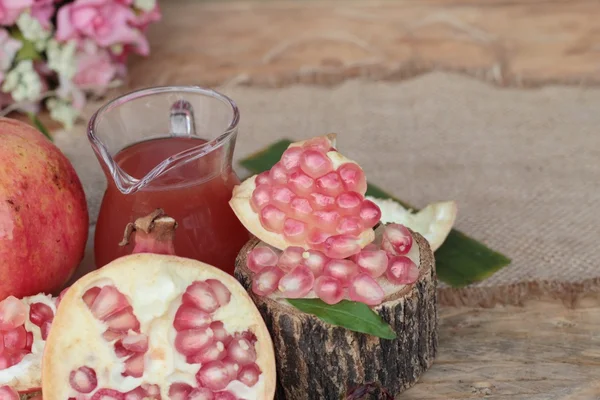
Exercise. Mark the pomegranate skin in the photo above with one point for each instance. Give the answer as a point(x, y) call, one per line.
point(43, 213)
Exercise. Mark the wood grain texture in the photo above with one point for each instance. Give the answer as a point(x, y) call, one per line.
point(275, 43)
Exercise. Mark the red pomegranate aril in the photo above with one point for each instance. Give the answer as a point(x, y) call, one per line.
point(295, 231)
point(90, 295)
point(353, 178)
point(370, 214)
point(108, 302)
point(214, 351)
point(213, 375)
point(326, 220)
point(83, 379)
point(272, 218)
point(300, 183)
point(301, 209)
point(28, 342)
point(349, 203)
point(342, 270)
point(281, 197)
point(266, 281)
point(138, 343)
point(349, 225)
point(5, 360)
point(330, 184)
point(134, 366)
point(180, 391)
point(1, 343)
point(120, 351)
point(290, 257)
point(192, 341)
point(220, 334)
point(109, 335)
point(396, 239)
point(124, 320)
point(152, 390)
point(318, 143)
point(315, 261)
point(402, 270)
point(45, 329)
point(15, 339)
point(225, 395)
point(201, 295)
point(241, 351)
point(320, 201)
point(260, 197)
point(316, 238)
point(200, 394)
point(232, 367)
point(13, 313)
point(341, 246)
point(290, 158)
point(263, 179)
point(139, 393)
point(372, 262)
point(366, 290)
point(249, 374)
point(8, 393)
point(108, 394)
point(315, 163)
point(261, 257)
point(297, 283)
point(223, 294)
point(278, 174)
point(191, 317)
point(329, 289)
point(40, 312)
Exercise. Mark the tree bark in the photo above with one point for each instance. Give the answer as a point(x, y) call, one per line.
point(319, 361)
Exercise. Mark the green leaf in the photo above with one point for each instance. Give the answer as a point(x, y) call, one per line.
point(39, 125)
point(460, 261)
point(28, 50)
point(354, 316)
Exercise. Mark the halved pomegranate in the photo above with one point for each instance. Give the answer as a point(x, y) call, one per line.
point(24, 327)
point(149, 326)
point(312, 198)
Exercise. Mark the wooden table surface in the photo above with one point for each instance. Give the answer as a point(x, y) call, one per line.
point(540, 351)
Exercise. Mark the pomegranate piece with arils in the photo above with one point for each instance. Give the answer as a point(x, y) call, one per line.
point(312, 198)
point(166, 328)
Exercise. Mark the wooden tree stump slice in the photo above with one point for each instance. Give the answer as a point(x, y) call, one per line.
point(316, 360)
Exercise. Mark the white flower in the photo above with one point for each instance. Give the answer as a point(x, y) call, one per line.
point(63, 112)
point(8, 49)
point(33, 31)
point(23, 82)
point(61, 58)
point(144, 5)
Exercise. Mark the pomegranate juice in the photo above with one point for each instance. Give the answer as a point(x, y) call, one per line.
point(208, 229)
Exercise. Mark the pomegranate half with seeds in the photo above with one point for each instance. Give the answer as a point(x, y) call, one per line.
point(150, 326)
point(312, 198)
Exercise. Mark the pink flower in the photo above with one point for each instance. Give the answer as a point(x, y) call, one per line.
point(8, 49)
point(95, 68)
point(11, 9)
point(146, 18)
point(42, 10)
point(107, 22)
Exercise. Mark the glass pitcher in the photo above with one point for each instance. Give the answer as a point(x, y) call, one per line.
point(169, 148)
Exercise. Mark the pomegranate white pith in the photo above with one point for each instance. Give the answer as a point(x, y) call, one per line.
point(167, 362)
point(21, 361)
point(312, 198)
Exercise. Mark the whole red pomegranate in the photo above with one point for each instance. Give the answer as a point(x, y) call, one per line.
point(43, 213)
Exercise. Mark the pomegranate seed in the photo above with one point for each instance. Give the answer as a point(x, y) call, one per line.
point(294, 231)
point(301, 208)
point(123, 321)
point(201, 394)
point(281, 197)
point(396, 239)
point(278, 174)
point(190, 317)
point(138, 343)
point(353, 177)
point(90, 295)
point(366, 290)
point(232, 367)
point(223, 294)
point(45, 329)
point(266, 281)
point(111, 335)
point(5, 360)
point(290, 257)
point(321, 201)
point(13, 313)
point(108, 394)
point(370, 214)
point(372, 262)
point(341, 246)
point(213, 375)
point(300, 183)
point(318, 143)
point(402, 270)
point(297, 283)
point(261, 257)
point(263, 179)
point(108, 302)
point(134, 366)
point(349, 226)
point(225, 395)
point(330, 184)
point(28, 342)
point(260, 197)
point(179, 391)
point(1, 342)
point(137, 394)
point(220, 333)
point(15, 339)
point(316, 238)
point(241, 351)
point(120, 351)
point(249, 374)
point(40, 312)
point(212, 352)
point(201, 295)
point(249, 336)
point(152, 390)
point(272, 218)
point(342, 270)
point(8, 393)
point(290, 158)
point(329, 289)
point(326, 220)
point(315, 163)
point(349, 202)
point(192, 341)
point(315, 260)
point(83, 379)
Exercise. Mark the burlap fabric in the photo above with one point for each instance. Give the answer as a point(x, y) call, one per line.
point(523, 166)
